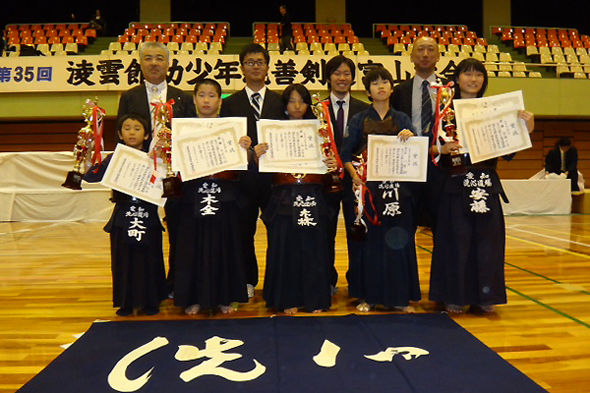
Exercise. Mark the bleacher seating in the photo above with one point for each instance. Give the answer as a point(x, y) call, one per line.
point(310, 37)
point(180, 37)
point(560, 49)
point(74, 35)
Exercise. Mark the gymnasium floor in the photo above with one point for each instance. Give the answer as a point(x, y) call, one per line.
point(55, 281)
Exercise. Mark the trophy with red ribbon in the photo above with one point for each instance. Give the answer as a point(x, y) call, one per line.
point(335, 176)
point(87, 136)
point(445, 127)
point(171, 184)
point(358, 230)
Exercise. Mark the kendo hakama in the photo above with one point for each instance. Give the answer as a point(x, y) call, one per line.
point(298, 264)
point(210, 258)
point(383, 267)
point(468, 255)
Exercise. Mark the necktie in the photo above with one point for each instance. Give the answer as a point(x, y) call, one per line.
point(155, 98)
point(340, 118)
point(426, 117)
point(255, 100)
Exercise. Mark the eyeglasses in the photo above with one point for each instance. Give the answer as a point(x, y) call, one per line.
point(252, 63)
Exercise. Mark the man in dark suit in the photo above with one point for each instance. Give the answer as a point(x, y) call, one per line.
point(154, 61)
point(341, 72)
point(564, 159)
point(254, 102)
point(414, 98)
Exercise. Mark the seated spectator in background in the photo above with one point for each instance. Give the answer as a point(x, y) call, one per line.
point(564, 159)
point(99, 24)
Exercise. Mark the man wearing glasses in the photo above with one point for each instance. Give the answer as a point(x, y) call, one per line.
point(254, 102)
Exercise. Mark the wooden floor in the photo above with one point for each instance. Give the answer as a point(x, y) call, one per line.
point(55, 281)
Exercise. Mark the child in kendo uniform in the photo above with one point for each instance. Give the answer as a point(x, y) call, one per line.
point(137, 259)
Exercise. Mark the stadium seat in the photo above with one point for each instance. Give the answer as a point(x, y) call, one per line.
point(186, 47)
point(532, 50)
point(315, 46)
point(357, 46)
point(491, 57)
point(114, 46)
point(330, 47)
point(300, 46)
point(44, 48)
point(71, 48)
point(216, 46)
point(479, 56)
point(57, 48)
point(505, 57)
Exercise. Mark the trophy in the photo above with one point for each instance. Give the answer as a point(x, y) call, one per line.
point(91, 133)
point(358, 230)
point(444, 121)
point(334, 176)
point(171, 184)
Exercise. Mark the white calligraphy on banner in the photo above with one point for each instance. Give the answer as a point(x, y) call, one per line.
point(215, 352)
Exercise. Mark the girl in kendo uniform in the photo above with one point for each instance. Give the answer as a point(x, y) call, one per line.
point(469, 242)
point(297, 261)
point(383, 267)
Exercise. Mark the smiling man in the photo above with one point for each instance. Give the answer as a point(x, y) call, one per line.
point(253, 102)
point(340, 71)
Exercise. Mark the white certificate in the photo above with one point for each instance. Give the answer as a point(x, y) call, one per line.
point(294, 146)
point(130, 171)
point(202, 147)
point(390, 159)
point(489, 127)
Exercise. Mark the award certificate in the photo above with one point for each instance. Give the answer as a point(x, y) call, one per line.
point(294, 146)
point(130, 171)
point(202, 147)
point(390, 159)
point(489, 127)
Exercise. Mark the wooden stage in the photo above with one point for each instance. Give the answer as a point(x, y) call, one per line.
point(55, 280)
